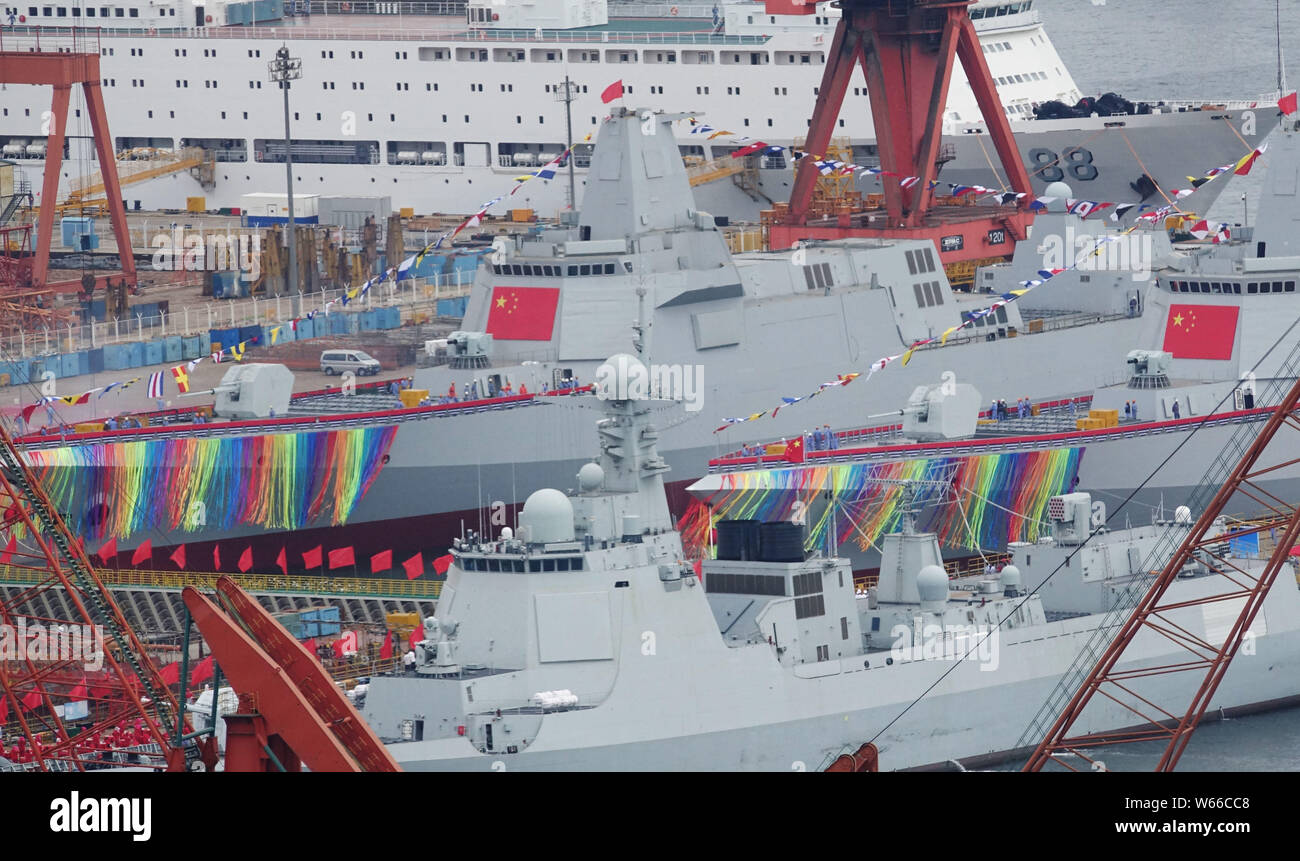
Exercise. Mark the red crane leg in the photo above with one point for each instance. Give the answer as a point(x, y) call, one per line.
point(50, 187)
point(986, 96)
point(108, 169)
point(846, 52)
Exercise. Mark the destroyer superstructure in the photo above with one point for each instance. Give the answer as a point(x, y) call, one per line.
point(585, 641)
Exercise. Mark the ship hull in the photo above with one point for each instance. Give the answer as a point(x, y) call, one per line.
point(783, 723)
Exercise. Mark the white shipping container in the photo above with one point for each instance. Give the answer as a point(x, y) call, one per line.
point(276, 204)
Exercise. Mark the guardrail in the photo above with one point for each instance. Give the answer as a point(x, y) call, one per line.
point(54, 39)
point(256, 584)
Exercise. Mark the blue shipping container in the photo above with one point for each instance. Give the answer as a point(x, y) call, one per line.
point(172, 348)
point(135, 349)
point(248, 333)
point(205, 343)
point(306, 329)
point(68, 365)
point(94, 361)
point(190, 347)
point(153, 352)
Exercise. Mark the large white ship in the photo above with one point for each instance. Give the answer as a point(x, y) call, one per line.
point(440, 105)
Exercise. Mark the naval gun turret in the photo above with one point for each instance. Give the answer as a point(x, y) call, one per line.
point(253, 391)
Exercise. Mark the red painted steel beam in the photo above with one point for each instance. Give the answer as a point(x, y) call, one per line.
point(252, 670)
point(63, 71)
point(309, 678)
point(1058, 739)
point(986, 96)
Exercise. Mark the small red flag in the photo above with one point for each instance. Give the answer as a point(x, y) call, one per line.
point(381, 561)
point(108, 551)
point(748, 150)
point(216, 557)
point(1287, 104)
point(79, 692)
point(178, 556)
point(282, 562)
point(4, 709)
point(341, 556)
point(9, 550)
point(417, 635)
point(387, 651)
point(338, 648)
point(170, 674)
point(246, 560)
point(32, 701)
point(202, 672)
point(414, 566)
point(442, 563)
point(612, 92)
point(143, 553)
point(310, 645)
point(311, 559)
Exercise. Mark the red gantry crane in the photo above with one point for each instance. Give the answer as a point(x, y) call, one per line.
point(57, 672)
point(906, 49)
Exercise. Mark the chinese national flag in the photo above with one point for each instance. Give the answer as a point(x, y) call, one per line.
point(311, 559)
point(342, 556)
point(414, 566)
point(1200, 331)
point(246, 560)
point(143, 553)
point(523, 313)
point(387, 651)
point(794, 450)
point(612, 92)
point(381, 561)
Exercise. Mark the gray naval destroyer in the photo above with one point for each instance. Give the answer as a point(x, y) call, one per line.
point(584, 640)
point(731, 335)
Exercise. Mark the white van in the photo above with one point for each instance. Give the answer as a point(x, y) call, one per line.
point(338, 361)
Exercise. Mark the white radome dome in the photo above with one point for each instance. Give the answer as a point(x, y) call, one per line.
point(932, 584)
point(547, 517)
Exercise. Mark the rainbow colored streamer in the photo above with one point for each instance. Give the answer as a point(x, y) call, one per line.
point(1003, 498)
point(276, 481)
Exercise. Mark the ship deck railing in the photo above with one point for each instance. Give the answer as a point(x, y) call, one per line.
point(88, 40)
point(256, 584)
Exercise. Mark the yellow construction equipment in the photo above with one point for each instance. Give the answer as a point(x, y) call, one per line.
point(137, 165)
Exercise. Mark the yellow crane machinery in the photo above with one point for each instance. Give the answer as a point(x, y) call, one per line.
point(138, 165)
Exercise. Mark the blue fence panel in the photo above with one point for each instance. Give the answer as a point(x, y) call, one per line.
point(205, 343)
point(135, 351)
point(338, 324)
point(116, 357)
point(95, 361)
point(172, 348)
point(68, 365)
point(153, 352)
point(191, 348)
point(306, 329)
